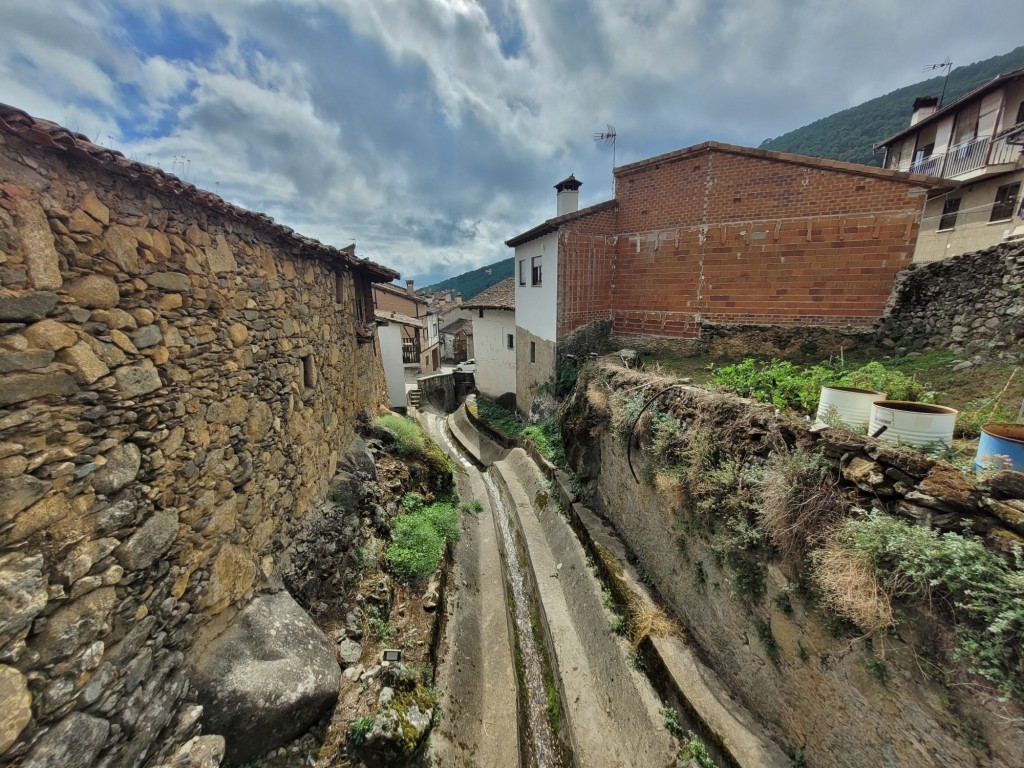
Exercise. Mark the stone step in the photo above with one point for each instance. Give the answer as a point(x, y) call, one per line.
point(612, 714)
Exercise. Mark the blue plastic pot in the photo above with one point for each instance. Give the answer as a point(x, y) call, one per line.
point(1001, 447)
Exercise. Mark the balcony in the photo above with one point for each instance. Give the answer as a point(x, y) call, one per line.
point(968, 157)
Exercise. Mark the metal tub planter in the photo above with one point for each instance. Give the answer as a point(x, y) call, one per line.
point(921, 425)
point(1001, 446)
point(847, 407)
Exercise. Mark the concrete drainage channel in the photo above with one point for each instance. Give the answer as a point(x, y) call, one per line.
point(609, 711)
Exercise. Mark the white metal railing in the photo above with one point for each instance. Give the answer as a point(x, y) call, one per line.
point(1003, 152)
point(965, 158)
point(929, 166)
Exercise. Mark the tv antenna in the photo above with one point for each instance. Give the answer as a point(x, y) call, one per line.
point(945, 64)
point(607, 138)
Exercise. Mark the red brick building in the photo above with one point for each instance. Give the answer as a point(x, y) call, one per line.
point(717, 233)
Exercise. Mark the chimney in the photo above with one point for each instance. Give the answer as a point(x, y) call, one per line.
point(568, 197)
point(924, 106)
point(409, 288)
point(458, 299)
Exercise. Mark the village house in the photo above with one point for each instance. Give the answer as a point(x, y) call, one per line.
point(494, 336)
point(418, 326)
point(457, 341)
point(975, 143)
point(713, 234)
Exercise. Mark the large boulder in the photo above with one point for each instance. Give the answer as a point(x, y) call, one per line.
point(267, 679)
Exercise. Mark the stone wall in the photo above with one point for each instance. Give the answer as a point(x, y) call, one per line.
point(842, 697)
point(971, 304)
point(177, 378)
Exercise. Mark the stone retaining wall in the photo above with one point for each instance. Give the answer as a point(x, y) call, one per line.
point(177, 378)
point(971, 304)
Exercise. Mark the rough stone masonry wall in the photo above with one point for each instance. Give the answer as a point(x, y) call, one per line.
point(819, 694)
point(174, 388)
point(972, 303)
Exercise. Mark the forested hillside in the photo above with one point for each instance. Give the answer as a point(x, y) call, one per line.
point(848, 135)
point(469, 284)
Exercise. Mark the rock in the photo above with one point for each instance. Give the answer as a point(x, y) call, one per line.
point(122, 248)
point(73, 743)
point(146, 336)
point(26, 307)
point(19, 387)
point(149, 542)
point(91, 205)
point(49, 334)
point(400, 725)
point(88, 367)
point(123, 463)
point(231, 411)
point(432, 596)
point(197, 752)
point(259, 421)
point(82, 223)
point(231, 576)
point(15, 706)
point(43, 515)
point(866, 475)
point(23, 596)
point(267, 678)
point(41, 259)
point(359, 459)
point(220, 257)
point(135, 380)
point(350, 652)
point(170, 281)
point(94, 292)
point(1007, 484)
point(238, 334)
point(74, 625)
point(27, 360)
point(951, 487)
point(18, 494)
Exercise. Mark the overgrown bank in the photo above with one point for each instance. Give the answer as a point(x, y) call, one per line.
point(760, 536)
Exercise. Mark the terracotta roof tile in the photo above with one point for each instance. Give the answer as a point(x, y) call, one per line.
point(499, 296)
point(462, 324)
point(51, 136)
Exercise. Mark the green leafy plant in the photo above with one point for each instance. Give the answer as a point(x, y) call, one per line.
point(670, 717)
point(359, 730)
point(618, 624)
point(419, 536)
point(412, 442)
point(694, 749)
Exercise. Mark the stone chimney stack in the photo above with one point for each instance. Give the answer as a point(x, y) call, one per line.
point(458, 299)
point(409, 288)
point(924, 106)
point(568, 195)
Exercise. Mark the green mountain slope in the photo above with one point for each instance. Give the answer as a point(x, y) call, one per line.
point(848, 135)
point(469, 284)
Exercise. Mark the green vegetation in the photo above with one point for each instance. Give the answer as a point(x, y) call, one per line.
point(359, 730)
point(412, 442)
point(671, 719)
point(469, 284)
point(694, 749)
point(849, 135)
point(418, 536)
point(792, 387)
point(951, 570)
point(546, 435)
point(768, 641)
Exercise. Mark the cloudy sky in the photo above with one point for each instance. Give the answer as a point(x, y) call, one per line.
point(430, 131)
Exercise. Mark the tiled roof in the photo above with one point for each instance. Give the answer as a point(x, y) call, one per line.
point(387, 316)
point(48, 135)
point(499, 296)
point(398, 290)
point(462, 324)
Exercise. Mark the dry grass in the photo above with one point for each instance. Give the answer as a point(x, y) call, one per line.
point(648, 620)
point(670, 485)
point(597, 398)
point(798, 516)
point(852, 588)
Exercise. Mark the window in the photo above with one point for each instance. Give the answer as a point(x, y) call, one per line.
point(533, 352)
point(535, 269)
point(949, 210)
point(1006, 198)
point(1020, 113)
point(967, 123)
point(522, 271)
point(509, 340)
point(481, 312)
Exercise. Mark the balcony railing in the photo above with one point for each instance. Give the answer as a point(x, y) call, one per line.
point(967, 157)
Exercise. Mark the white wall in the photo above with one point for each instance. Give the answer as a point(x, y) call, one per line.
point(391, 352)
point(537, 306)
point(495, 362)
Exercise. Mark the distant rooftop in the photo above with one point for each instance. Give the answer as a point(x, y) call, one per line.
point(499, 296)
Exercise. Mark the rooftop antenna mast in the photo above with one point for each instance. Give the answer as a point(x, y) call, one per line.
point(945, 64)
point(607, 137)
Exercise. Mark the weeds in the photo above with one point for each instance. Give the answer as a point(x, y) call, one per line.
point(359, 730)
point(412, 442)
point(670, 717)
point(694, 749)
point(418, 537)
point(763, 629)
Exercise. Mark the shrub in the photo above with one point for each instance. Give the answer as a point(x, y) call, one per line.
point(694, 749)
point(410, 440)
point(418, 537)
point(955, 571)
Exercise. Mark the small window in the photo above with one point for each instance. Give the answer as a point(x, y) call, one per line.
point(535, 269)
point(309, 372)
point(949, 211)
point(509, 340)
point(522, 271)
point(533, 352)
point(1006, 199)
point(481, 312)
point(1020, 112)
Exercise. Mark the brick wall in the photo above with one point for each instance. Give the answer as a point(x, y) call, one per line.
point(725, 237)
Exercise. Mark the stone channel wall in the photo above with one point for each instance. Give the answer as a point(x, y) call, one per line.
point(972, 303)
point(842, 698)
point(177, 379)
